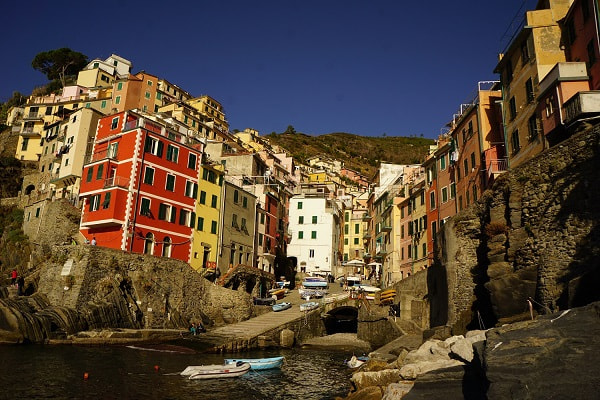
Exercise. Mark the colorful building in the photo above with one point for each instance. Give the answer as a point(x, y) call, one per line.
point(137, 186)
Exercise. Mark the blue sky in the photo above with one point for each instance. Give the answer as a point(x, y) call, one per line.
point(364, 67)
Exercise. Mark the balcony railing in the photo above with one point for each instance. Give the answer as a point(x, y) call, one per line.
point(33, 115)
point(101, 155)
point(117, 181)
point(496, 167)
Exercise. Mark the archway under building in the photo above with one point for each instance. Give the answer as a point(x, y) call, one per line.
point(341, 320)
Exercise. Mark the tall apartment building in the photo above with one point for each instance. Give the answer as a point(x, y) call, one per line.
point(136, 186)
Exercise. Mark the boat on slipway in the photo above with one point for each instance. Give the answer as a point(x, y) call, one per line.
point(311, 305)
point(214, 371)
point(313, 286)
point(259, 364)
point(281, 306)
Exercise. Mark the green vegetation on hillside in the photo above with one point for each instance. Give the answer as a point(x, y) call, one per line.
point(360, 153)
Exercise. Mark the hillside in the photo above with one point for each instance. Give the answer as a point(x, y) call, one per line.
point(360, 153)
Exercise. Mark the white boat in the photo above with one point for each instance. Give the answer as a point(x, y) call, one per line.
point(259, 364)
point(216, 371)
point(311, 293)
point(311, 305)
point(355, 362)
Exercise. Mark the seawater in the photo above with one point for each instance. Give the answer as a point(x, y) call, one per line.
point(115, 372)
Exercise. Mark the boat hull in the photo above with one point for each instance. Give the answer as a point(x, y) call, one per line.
point(216, 371)
point(259, 364)
point(281, 306)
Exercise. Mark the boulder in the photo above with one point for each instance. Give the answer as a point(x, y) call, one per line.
point(362, 380)
point(432, 350)
point(368, 393)
point(397, 391)
point(412, 371)
point(286, 338)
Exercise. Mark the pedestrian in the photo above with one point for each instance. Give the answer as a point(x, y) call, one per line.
point(193, 329)
point(13, 276)
point(94, 241)
point(20, 286)
point(200, 328)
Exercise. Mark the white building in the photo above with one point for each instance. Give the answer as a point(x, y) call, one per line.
point(315, 222)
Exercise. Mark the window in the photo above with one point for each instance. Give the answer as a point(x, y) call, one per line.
point(117, 99)
point(311, 253)
point(100, 172)
point(424, 249)
point(313, 234)
point(314, 219)
point(119, 85)
point(300, 234)
point(532, 127)
point(184, 217)
point(158, 96)
point(24, 144)
point(114, 123)
point(149, 83)
point(549, 106)
point(422, 198)
point(466, 166)
point(103, 104)
point(525, 51)
point(234, 222)
point(356, 229)
point(236, 196)
point(244, 202)
point(170, 183)
point(508, 72)
point(355, 240)
point(301, 219)
point(444, 195)
point(432, 200)
point(529, 91)
point(585, 9)
point(514, 140)
point(145, 207)
point(346, 216)
point(452, 190)
point(591, 52)
point(154, 146)
point(90, 174)
point(346, 242)
point(149, 176)
point(202, 197)
point(200, 225)
point(172, 153)
point(213, 202)
point(112, 150)
point(106, 202)
point(346, 229)
point(299, 205)
point(474, 192)
point(473, 160)
point(192, 159)
point(147, 95)
point(191, 189)
point(262, 218)
point(512, 105)
point(213, 227)
point(94, 202)
point(443, 162)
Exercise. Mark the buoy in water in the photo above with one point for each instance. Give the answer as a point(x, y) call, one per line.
point(85, 376)
point(156, 368)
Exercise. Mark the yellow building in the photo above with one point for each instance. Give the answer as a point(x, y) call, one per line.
point(211, 109)
point(528, 59)
point(205, 239)
point(419, 226)
point(192, 118)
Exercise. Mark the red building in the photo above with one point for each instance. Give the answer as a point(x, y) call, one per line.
point(139, 186)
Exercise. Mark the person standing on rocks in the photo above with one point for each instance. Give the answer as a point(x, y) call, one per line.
point(20, 286)
point(13, 276)
point(94, 241)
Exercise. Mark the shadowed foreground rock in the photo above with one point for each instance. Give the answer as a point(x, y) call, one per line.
point(555, 356)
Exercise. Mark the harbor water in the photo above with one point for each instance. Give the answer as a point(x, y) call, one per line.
point(137, 372)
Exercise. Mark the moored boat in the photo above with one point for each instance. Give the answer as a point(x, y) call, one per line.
point(216, 371)
point(258, 364)
point(281, 306)
point(264, 301)
point(311, 305)
point(355, 362)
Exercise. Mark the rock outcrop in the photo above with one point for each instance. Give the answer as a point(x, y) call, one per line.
point(553, 356)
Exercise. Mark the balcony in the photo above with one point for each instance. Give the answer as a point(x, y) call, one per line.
point(367, 235)
point(107, 154)
point(29, 132)
point(366, 218)
point(386, 228)
point(496, 167)
point(582, 105)
point(116, 181)
point(33, 116)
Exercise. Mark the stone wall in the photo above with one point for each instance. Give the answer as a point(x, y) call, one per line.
point(532, 239)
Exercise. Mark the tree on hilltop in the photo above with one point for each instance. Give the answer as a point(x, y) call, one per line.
point(290, 130)
point(60, 63)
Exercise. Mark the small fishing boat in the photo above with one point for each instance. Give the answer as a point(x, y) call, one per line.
point(279, 293)
point(264, 301)
point(314, 293)
point(311, 305)
point(355, 362)
point(216, 371)
point(258, 364)
point(281, 306)
point(315, 282)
